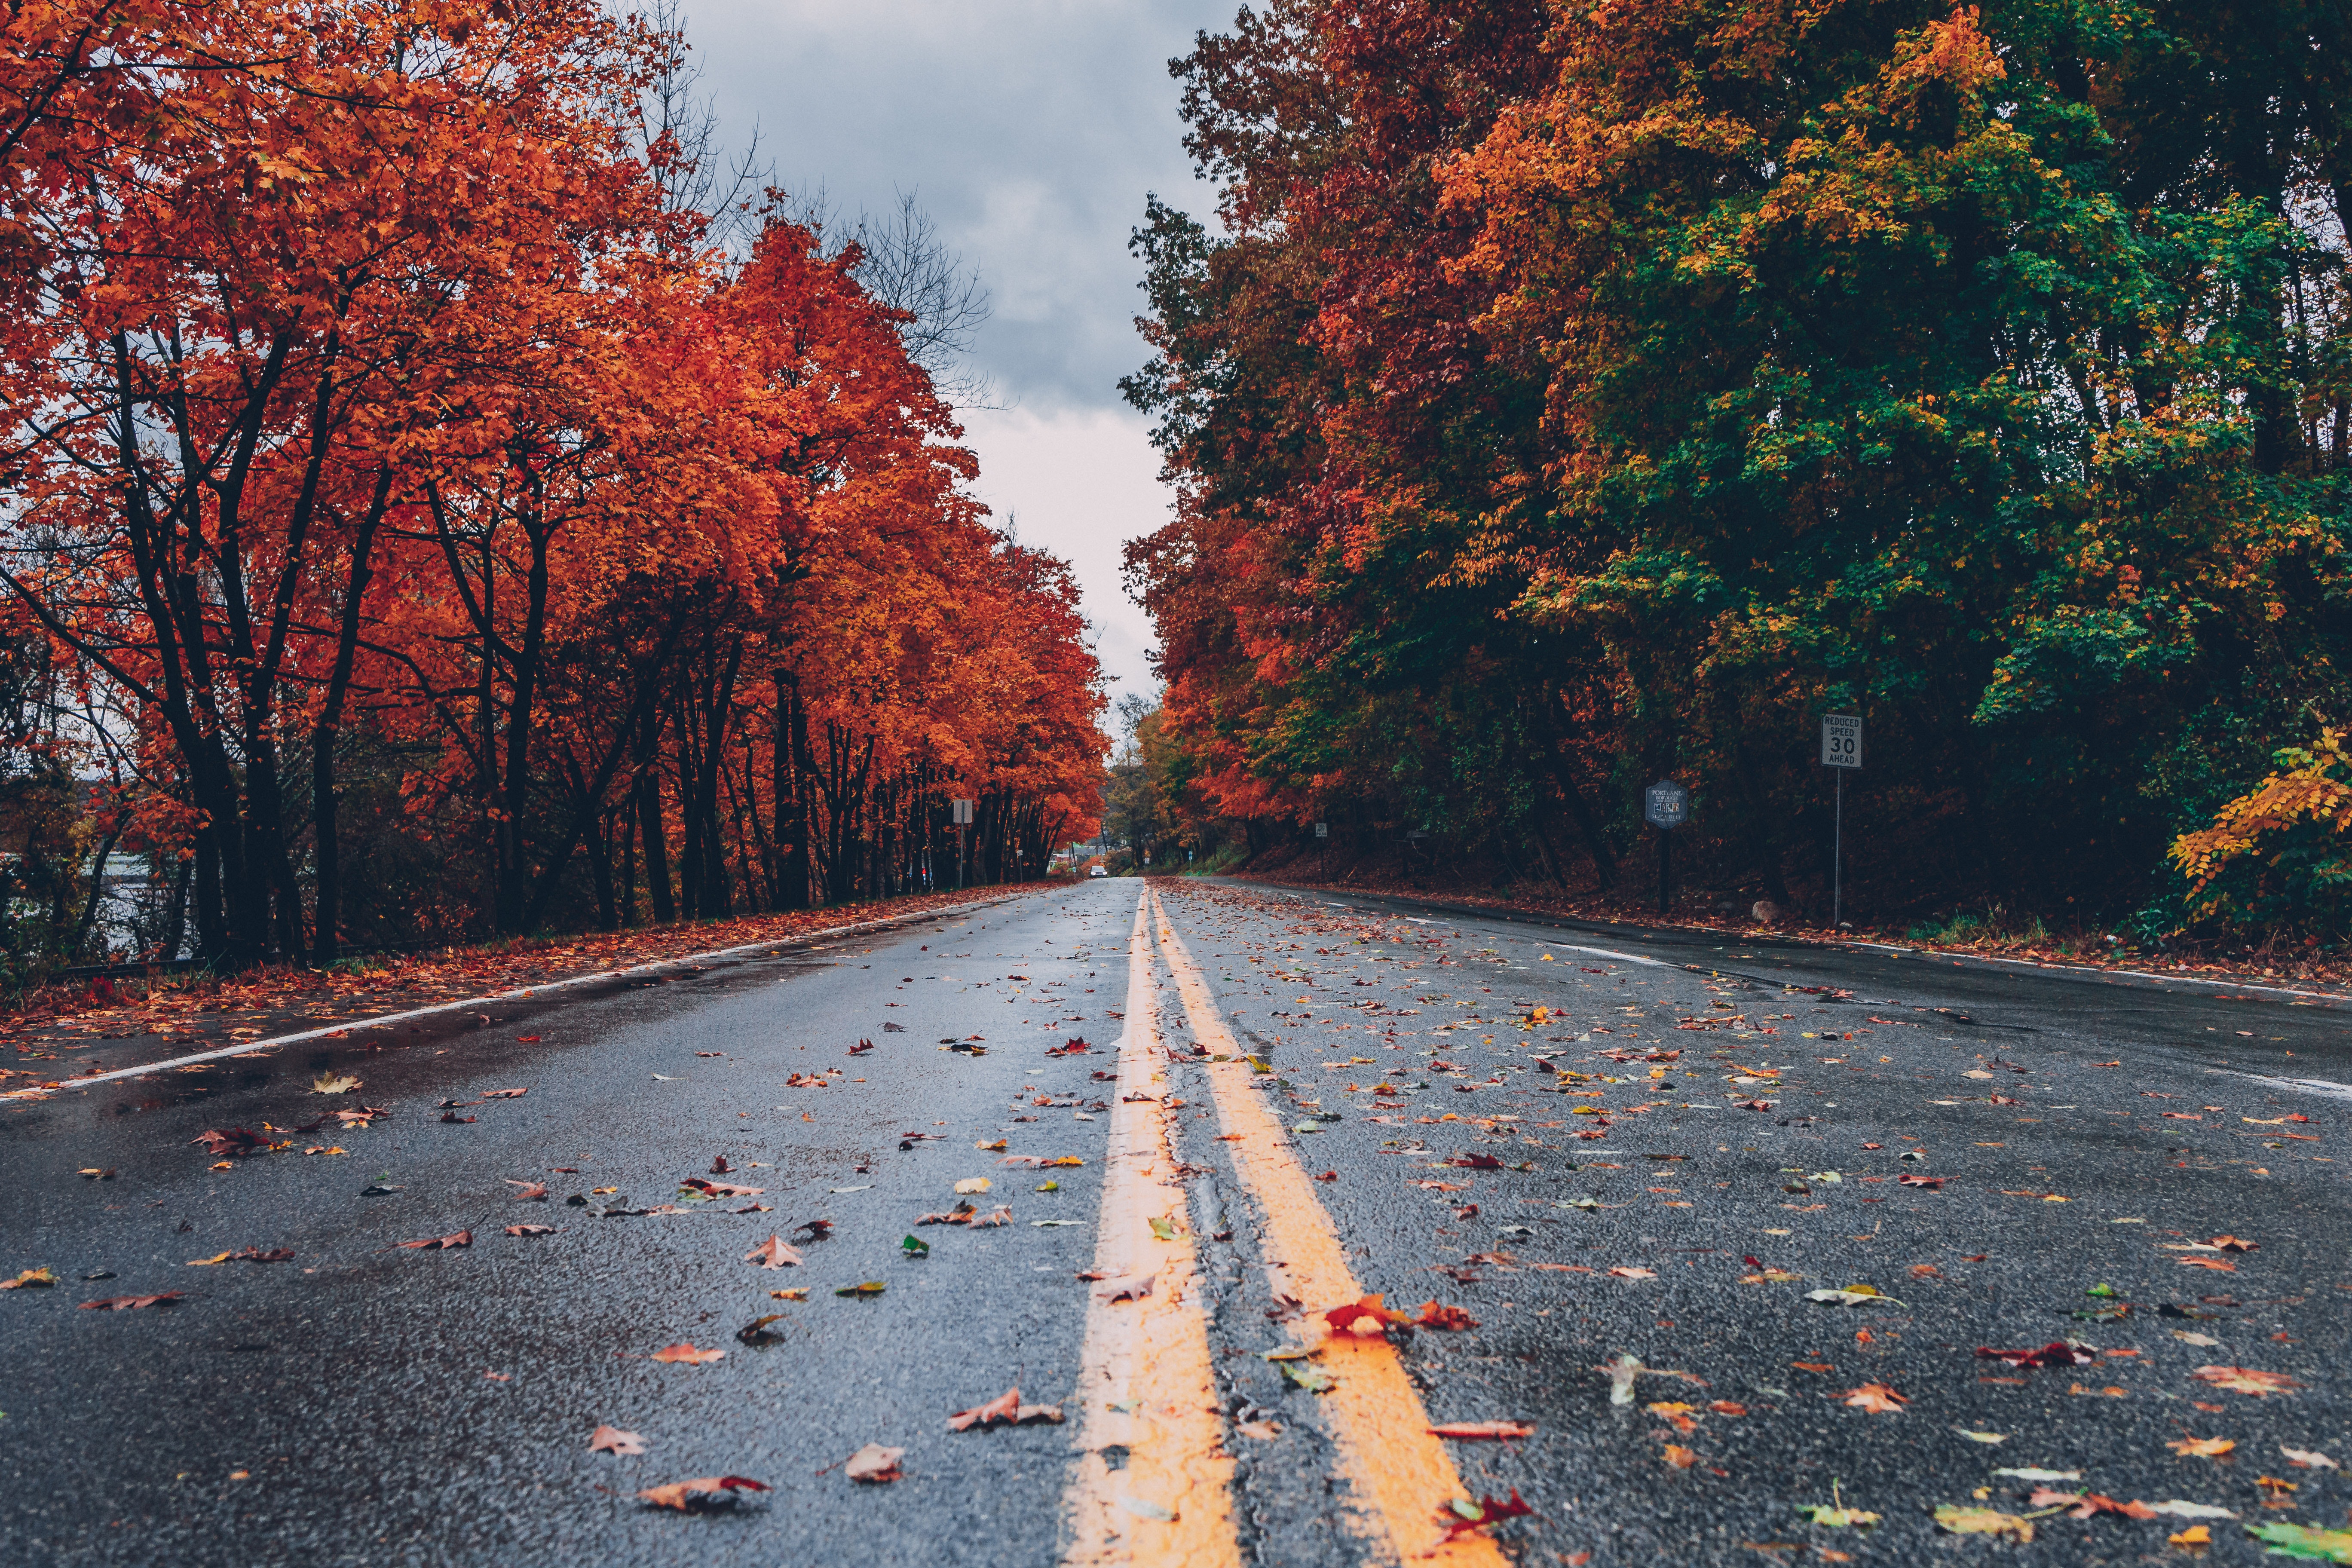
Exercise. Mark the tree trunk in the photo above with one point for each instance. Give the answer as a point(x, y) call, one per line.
point(327, 912)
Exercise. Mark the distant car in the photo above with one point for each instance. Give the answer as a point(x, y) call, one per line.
point(1096, 871)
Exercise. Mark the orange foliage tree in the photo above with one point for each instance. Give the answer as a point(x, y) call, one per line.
point(368, 398)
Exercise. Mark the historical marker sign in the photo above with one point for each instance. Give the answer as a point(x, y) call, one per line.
point(1665, 804)
point(1841, 740)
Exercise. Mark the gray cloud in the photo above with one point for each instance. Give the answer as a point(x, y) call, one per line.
point(1030, 131)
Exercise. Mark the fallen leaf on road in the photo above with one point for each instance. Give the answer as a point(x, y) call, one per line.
point(1982, 1437)
point(710, 1189)
point(1470, 1430)
point(2240, 1380)
point(2307, 1458)
point(455, 1239)
point(757, 1334)
point(2234, 1243)
point(1852, 1296)
point(612, 1440)
point(1675, 1414)
point(1133, 1288)
point(1313, 1379)
point(1876, 1398)
point(30, 1280)
point(334, 1083)
point(125, 1303)
point(1680, 1458)
point(2083, 1505)
point(685, 1495)
point(1932, 1184)
point(2034, 1473)
point(2195, 1535)
point(869, 1287)
point(772, 1254)
point(1462, 1515)
point(1983, 1522)
point(236, 1140)
point(531, 1230)
point(2201, 1447)
point(527, 1191)
point(2215, 1264)
point(1635, 1273)
point(1263, 1431)
point(1366, 1316)
point(973, 1185)
point(2304, 1540)
point(2058, 1352)
point(518, 1094)
point(1163, 1227)
point(1006, 1408)
point(1435, 1315)
point(874, 1464)
point(687, 1355)
point(798, 1295)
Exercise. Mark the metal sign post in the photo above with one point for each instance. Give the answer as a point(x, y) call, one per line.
point(1842, 750)
point(1322, 837)
point(1665, 806)
point(962, 818)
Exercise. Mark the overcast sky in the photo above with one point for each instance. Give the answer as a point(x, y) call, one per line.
point(1030, 131)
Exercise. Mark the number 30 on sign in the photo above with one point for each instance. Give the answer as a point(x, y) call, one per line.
point(1841, 741)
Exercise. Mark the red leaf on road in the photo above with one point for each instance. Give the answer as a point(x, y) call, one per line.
point(1366, 1316)
point(703, 1490)
point(2058, 1352)
point(531, 1230)
point(236, 1140)
point(1472, 1429)
point(1433, 1316)
point(510, 1094)
point(1464, 1516)
point(686, 1355)
point(125, 1303)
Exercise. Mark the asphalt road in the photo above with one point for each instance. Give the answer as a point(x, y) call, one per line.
point(365, 1403)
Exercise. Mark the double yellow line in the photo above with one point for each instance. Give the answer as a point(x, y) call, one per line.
point(1146, 1385)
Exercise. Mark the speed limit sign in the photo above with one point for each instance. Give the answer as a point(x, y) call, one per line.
point(1842, 740)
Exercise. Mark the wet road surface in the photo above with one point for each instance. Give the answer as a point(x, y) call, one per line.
point(1285, 1102)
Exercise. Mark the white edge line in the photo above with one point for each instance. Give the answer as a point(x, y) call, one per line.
point(375, 1019)
point(2319, 1085)
point(1620, 957)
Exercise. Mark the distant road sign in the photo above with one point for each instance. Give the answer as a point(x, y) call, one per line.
point(963, 812)
point(1322, 830)
point(1665, 804)
point(1842, 740)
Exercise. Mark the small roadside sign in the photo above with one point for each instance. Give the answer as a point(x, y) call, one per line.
point(1665, 805)
point(1841, 740)
point(963, 812)
point(1322, 830)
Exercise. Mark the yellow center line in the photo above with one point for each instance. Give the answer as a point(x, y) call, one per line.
point(1400, 1476)
point(1144, 1383)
